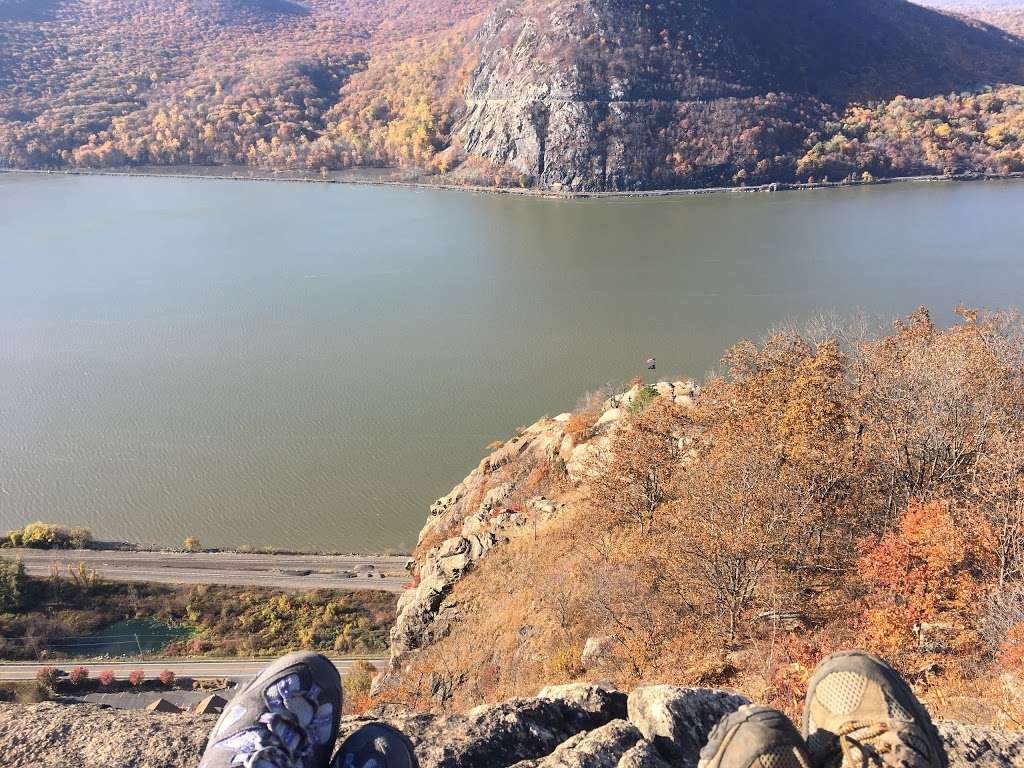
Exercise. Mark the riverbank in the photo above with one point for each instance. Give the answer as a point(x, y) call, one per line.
point(418, 183)
point(38, 536)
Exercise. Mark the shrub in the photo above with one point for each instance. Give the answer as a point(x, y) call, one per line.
point(49, 536)
point(167, 677)
point(47, 677)
point(358, 682)
point(31, 693)
point(579, 426)
point(564, 664)
point(13, 582)
point(929, 572)
point(79, 538)
point(78, 675)
point(642, 400)
point(136, 676)
point(107, 677)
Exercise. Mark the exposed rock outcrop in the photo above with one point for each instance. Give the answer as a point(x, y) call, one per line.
point(574, 726)
point(501, 498)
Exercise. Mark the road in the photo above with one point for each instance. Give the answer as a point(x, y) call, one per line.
point(231, 669)
point(282, 571)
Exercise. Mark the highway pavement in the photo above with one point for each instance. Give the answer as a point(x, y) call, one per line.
point(386, 572)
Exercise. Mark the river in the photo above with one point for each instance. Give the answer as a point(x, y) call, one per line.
point(310, 366)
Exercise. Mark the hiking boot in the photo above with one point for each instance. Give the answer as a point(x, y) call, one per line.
point(754, 737)
point(860, 712)
point(376, 745)
point(287, 717)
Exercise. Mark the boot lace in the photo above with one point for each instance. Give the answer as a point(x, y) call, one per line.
point(288, 732)
point(863, 744)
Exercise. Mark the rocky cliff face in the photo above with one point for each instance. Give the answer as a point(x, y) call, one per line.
point(573, 726)
point(618, 95)
point(505, 497)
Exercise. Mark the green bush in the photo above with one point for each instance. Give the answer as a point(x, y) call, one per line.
point(13, 582)
point(642, 400)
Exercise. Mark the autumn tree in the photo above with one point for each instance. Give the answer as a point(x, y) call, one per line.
point(632, 479)
point(931, 572)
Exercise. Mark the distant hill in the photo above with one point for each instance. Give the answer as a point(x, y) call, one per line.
point(577, 96)
point(624, 85)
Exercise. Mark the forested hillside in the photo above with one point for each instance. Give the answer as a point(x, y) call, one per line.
point(597, 95)
point(830, 488)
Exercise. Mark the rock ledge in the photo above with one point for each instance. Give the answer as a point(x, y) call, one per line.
point(568, 726)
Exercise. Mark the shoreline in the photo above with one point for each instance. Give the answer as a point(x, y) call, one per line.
point(153, 172)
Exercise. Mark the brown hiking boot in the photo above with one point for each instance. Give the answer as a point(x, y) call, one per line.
point(859, 712)
point(754, 737)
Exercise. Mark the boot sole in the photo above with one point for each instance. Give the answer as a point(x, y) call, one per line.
point(853, 661)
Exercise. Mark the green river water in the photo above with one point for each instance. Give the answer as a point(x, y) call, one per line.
point(310, 366)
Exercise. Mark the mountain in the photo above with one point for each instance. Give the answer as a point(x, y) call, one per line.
point(563, 95)
point(599, 94)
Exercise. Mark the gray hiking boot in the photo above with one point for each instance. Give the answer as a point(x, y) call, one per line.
point(754, 737)
point(376, 745)
point(859, 712)
point(287, 717)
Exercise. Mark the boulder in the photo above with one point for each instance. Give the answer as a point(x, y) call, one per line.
point(602, 747)
point(496, 735)
point(678, 720)
point(643, 754)
point(596, 650)
point(973, 747)
point(597, 701)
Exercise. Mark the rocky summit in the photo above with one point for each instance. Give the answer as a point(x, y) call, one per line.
point(571, 726)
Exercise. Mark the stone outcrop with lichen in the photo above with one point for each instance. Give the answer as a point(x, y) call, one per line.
point(569, 726)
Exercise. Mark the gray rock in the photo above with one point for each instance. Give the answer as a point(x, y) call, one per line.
point(588, 698)
point(678, 720)
point(572, 727)
point(89, 736)
point(595, 650)
point(643, 754)
point(972, 747)
point(602, 747)
point(612, 414)
point(498, 735)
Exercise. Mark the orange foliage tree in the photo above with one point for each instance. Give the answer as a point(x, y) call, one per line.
point(927, 577)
